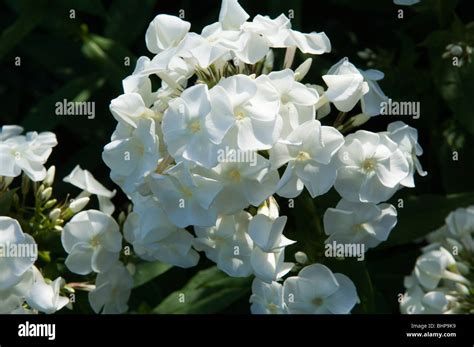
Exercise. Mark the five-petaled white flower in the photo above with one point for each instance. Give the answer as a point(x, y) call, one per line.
point(27, 153)
point(371, 167)
point(296, 100)
point(228, 244)
point(93, 241)
point(246, 111)
point(316, 290)
point(308, 150)
point(155, 237)
point(358, 222)
point(131, 157)
point(187, 197)
point(267, 298)
point(243, 183)
point(13, 262)
point(112, 290)
point(185, 128)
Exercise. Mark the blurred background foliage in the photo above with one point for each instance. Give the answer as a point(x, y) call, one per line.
point(85, 58)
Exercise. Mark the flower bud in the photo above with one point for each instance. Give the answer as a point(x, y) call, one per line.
point(46, 194)
point(462, 268)
point(301, 257)
point(360, 119)
point(79, 204)
point(269, 208)
point(303, 69)
point(269, 61)
point(54, 214)
point(363, 55)
point(121, 217)
point(461, 289)
point(456, 50)
point(5, 182)
point(50, 203)
point(48, 181)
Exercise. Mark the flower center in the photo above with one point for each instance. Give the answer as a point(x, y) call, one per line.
point(147, 113)
point(234, 175)
point(368, 165)
point(303, 156)
point(317, 302)
point(95, 241)
point(358, 228)
point(285, 98)
point(140, 149)
point(272, 308)
point(186, 192)
point(195, 126)
point(239, 113)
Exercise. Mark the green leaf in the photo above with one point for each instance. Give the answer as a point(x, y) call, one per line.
point(43, 117)
point(147, 271)
point(209, 291)
point(109, 55)
point(118, 20)
point(33, 12)
point(6, 200)
point(423, 214)
point(93, 7)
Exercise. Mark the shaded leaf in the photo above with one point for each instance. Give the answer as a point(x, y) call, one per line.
point(118, 20)
point(209, 291)
point(43, 117)
point(147, 271)
point(423, 214)
point(6, 200)
point(32, 14)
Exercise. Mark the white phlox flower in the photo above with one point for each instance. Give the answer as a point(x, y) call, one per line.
point(93, 242)
point(308, 150)
point(371, 167)
point(25, 153)
point(267, 298)
point(357, 222)
point(112, 290)
point(228, 244)
point(12, 265)
point(155, 237)
point(316, 290)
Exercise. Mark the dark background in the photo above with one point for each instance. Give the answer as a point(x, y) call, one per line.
point(82, 59)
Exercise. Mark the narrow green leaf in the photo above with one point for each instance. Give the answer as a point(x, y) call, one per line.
point(32, 14)
point(43, 117)
point(6, 200)
point(147, 271)
point(109, 55)
point(118, 20)
point(209, 291)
